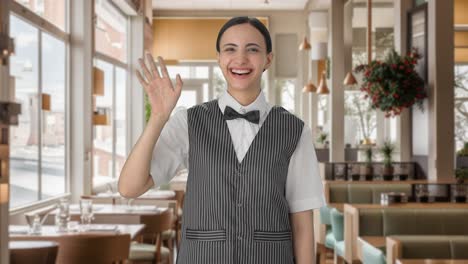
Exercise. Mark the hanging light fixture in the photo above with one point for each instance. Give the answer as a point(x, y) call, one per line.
point(350, 79)
point(305, 45)
point(309, 88)
point(323, 88)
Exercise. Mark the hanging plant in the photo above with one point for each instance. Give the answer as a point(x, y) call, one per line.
point(393, 84)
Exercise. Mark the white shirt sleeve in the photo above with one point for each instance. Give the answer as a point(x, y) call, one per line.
point(304, 189)
point(171, 150)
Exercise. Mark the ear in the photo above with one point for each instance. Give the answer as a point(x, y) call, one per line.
point(269, 60)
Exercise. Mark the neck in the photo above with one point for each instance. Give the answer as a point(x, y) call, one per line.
point(245, 97)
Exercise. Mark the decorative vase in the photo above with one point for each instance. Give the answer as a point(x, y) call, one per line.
point(387, 173)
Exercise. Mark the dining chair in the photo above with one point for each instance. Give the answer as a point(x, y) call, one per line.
point(168, 236)
point(180, 195)
point(154, 252)
point(98, 248)
point(42, 252)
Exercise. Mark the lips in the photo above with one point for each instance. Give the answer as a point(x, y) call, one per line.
point(240, 73)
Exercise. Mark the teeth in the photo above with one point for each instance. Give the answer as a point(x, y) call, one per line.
point(241, 71)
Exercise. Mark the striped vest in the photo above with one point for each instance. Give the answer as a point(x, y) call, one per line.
point(236, 212)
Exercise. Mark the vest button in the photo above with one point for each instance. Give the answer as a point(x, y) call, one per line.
point(239, 238)
point(239, 204)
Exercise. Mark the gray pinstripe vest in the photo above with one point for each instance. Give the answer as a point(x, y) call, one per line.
point(237, 213)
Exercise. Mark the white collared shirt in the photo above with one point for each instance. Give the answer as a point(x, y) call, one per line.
point(304, 190)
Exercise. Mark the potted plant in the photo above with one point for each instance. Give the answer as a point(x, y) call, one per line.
point(387, 150)
point(462, 156)
point(459, 191)
point(393, 84)
point(322, 139)
point(366, 169)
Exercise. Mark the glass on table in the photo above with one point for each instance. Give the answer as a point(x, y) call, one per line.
point(63, 215)
point(86, 212)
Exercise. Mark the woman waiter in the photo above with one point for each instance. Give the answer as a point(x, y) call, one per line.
point(253, 178)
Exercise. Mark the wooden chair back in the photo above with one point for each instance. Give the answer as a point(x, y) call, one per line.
point(42, 252)
point(99, 248)
point(154, 226)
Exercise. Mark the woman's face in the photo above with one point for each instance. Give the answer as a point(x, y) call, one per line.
point(243, 57)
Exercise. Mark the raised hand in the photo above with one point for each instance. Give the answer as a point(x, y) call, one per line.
point(161, 93)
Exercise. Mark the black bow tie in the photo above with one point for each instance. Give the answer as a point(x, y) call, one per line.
point(252, 116)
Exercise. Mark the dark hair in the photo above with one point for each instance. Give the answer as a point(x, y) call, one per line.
point(243, 20)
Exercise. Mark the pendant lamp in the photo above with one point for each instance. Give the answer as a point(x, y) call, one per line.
point(309, 88)
point(323, 88)
point(305, 45)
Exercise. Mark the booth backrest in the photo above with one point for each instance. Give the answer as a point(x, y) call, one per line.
point(364, 193)
point(400, 221)
point(432, 247)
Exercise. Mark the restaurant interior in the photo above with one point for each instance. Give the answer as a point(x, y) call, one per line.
point(383, 85)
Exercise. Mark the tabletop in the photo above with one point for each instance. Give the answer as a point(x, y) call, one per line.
point(17, 232)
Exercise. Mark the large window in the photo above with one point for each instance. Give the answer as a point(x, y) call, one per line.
point(110, 144)
point(110, 30)
point(38, 149)
point(461, 105)
point(287, 91)
point(361, 120)
point(51, 10)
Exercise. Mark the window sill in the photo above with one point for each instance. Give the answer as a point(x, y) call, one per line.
point(38, 204)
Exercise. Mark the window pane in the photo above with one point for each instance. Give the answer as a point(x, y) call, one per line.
point(24, 140)
point(360, 119)
point(183, 71)
point(286, 87)
point(120, 119)
point(186, 100)
point(102, 145)
point(219, 83)
point(110, 31)
point(461, 105)
point(52, 10)
point(53, 122)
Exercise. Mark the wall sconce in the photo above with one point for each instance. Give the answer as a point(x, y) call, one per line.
point(98, 81)
point(101, 116)
point(7, 47)
point(45, 102)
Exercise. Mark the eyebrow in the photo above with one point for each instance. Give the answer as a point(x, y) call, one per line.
point(235, 45)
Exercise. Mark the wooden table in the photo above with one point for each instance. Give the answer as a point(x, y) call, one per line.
point(432, 261)
point(20, 232)
point(113, 214)
point(149, 195)
point(351, 220)
point(376, 241)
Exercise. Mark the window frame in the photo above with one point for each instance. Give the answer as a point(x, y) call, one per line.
point(114, 62)
point(42, 25)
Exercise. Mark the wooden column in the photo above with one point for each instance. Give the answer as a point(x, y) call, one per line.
point(336, 102)
point(441, 89)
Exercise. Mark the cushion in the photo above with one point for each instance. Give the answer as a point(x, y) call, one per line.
point(340, 249)
point(337, 221)
point(139, 251)
point(330, 239)
point(370, 223)
point(339, 193)
point(413, 222)
point(359, 193)
point(373, 255)
point(168, 234)
point(325, 215)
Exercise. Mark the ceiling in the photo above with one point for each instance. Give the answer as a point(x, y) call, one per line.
point(229, 4)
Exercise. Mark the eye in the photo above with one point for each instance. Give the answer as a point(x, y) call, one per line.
point(229, 49)
point(253, 50)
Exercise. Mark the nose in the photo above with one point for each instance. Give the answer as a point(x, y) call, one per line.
point(241, 57)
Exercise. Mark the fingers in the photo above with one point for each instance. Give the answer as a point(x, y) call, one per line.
point(179, 84)
point(141, 79)
point(153, 67)
point(146, 72)
point(164, 72)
